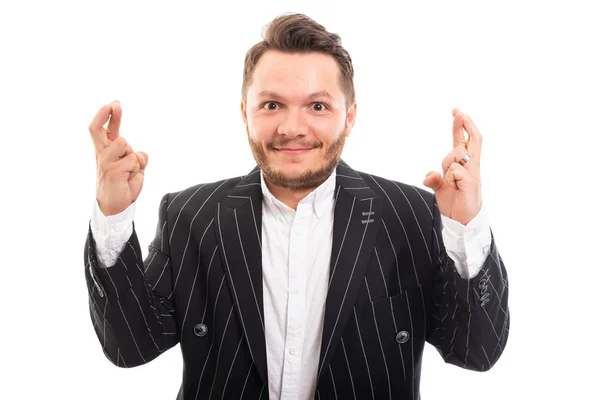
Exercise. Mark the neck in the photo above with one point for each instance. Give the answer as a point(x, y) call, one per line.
point(289, 197)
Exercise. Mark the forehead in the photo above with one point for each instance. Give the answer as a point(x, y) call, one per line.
point(295, 74)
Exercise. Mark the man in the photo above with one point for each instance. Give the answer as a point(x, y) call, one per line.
point(304, 278)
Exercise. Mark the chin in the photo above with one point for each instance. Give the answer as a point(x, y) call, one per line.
point(295, 168)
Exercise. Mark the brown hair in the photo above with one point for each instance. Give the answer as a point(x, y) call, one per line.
point(297, 33)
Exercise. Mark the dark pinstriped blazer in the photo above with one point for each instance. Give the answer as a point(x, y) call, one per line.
point(392, 288)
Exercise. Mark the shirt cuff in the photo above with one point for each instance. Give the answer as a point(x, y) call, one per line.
point(469, 245)
point(111, 233)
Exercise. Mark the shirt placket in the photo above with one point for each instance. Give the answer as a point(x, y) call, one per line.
point(296, 301)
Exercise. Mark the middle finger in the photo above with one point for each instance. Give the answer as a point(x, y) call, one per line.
point(96, 128)
point(456, 155)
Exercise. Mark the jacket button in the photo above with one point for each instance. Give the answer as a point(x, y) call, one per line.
point(402, 337)
point(200, 330)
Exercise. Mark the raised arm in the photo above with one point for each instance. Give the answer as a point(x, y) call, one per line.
point(128, 296)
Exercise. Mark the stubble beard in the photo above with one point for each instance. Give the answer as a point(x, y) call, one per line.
point(310, 179)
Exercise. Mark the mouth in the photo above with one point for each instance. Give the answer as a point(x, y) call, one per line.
point(293, 152)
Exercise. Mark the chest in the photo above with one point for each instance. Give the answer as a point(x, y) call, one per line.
point(296, 255)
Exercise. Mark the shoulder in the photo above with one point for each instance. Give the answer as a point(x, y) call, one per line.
point(410, 206)
point(202, 193)
point(396, 191)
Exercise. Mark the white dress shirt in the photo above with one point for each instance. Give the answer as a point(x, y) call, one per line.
point(295, 260)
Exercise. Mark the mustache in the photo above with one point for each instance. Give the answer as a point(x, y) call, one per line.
point(294, 143)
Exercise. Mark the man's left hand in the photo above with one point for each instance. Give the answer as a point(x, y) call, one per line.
point(458, 191)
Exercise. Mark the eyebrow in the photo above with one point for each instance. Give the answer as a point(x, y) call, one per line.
point(322, 93)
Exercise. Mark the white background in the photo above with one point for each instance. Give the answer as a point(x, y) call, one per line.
point(527, 72)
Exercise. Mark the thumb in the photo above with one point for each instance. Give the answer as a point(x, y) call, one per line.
point(434, 181)
point(142, 159)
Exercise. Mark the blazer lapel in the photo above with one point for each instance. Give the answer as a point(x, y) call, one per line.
point(357, 217)
point(239, 223)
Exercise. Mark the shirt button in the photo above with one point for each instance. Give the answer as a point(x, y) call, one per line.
point(293, 351)
point(295, 291)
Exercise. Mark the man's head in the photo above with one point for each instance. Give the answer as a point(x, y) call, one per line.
point(298, 101)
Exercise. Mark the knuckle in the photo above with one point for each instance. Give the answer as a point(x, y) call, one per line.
point(111, 175)
point(106, 174)
point(121, 142)
point(459, 150)
point(101, 169)
point(101, 163)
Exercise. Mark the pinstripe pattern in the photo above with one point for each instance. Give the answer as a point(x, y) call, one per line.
point(392, 287)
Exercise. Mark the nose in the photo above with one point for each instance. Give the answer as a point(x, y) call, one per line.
point(293, 124)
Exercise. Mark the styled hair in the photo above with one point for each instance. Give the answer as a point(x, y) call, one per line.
point(297, 33)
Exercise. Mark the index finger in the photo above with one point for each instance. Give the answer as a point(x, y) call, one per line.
point(474, 141)
point(458, 134)
point(96, 127)
point(115, 121)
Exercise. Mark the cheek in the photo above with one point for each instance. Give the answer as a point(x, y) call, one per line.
point(262, 129)
point(327, 130)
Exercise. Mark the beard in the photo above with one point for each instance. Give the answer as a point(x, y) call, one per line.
point(309, 179)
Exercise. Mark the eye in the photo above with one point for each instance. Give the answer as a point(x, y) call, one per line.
point(319, 107)
point(270, 105)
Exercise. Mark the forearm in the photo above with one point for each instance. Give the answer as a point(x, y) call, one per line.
point(129, 306)
point(469, 316)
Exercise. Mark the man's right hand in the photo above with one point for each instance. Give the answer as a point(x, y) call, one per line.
point(119, 170)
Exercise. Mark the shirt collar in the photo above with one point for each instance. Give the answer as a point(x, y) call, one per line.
point(320, 198)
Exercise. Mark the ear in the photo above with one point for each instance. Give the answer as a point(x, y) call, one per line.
point(243, 110)
point(351, 117)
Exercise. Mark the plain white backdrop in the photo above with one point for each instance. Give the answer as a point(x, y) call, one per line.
point(526, 71)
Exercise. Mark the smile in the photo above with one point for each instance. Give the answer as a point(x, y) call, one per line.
point(293, 152)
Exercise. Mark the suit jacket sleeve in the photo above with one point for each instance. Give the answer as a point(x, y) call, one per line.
point(129, 302)
point(468, 318)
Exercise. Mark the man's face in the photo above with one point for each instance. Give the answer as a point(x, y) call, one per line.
point(296, 118)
